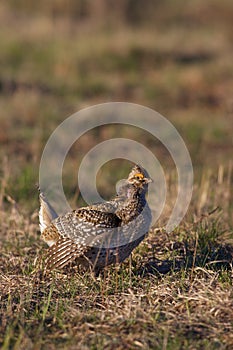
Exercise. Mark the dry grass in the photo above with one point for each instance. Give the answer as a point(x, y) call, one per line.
point(176, 291)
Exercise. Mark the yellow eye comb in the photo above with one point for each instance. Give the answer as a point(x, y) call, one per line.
point(139, 175)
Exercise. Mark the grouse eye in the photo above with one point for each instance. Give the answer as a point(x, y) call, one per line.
point(139, 176)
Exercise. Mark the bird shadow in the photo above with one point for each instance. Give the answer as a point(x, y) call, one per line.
point(214, 256)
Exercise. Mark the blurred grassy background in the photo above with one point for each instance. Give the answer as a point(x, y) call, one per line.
point(174, 56)
point(60, 56)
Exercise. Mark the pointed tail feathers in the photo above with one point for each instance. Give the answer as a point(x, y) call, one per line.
point(46, 212)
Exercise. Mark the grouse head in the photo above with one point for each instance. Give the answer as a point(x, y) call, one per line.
point(139, 177)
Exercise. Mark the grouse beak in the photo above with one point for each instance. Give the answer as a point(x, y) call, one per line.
point(148, 180)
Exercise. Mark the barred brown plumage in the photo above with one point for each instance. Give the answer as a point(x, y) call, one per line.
point(100, 234)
